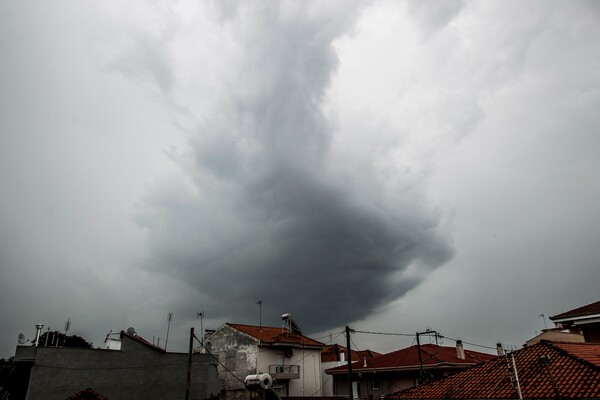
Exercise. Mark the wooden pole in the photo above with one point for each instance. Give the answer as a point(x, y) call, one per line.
point(350, 390)
point(189, 366)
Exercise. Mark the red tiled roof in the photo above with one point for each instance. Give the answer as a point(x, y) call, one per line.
point(408, 358)
point(593, 308)
point(270, 335)
point(575, 368)
point(589, 354)
point(332, 353)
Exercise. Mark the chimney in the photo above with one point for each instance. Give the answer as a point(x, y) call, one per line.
point(460, 351)
point(364, 362)
point(342, 356)
point(499, 349)
point(39, 328)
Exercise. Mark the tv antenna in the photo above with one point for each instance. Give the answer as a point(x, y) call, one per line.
point(259, 302)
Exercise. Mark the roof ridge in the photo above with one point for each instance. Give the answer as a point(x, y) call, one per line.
point(554, 345)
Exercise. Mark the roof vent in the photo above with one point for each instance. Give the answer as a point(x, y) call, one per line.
point(500, 349)
point(460, 350)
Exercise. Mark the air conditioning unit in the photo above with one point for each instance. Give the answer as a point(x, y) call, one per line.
point(289, 352)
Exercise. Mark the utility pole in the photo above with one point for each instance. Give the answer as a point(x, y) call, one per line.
point(418, 334)
point(189, 366)
point(350, 391)
point(421, 375)
point(168, 327)
point(201, 316)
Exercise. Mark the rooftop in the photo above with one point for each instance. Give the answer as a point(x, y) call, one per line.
point(408, 358)
point(332, 353)
point(575, 367)
point(589, 309)
point(271, 336)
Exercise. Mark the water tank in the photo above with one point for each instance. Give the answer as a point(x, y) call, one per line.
point(258, 382)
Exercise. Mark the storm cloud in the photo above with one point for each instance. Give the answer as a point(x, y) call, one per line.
point(388, 165)
point(263, 209)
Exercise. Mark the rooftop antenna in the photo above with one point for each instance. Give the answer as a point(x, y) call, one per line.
point(259, 302)
point(168, 327)
point(544, 318)
point(67, 326)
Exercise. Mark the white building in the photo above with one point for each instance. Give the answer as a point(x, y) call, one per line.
point(292, 359)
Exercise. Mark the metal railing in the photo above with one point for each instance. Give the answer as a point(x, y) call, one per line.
point(280, 371)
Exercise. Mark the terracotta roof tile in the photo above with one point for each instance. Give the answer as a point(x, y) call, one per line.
point(574, 367)
point(593, 308)
point(408, 358)
point(271, 335)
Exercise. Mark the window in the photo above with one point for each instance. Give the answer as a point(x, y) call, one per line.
point(375, 384)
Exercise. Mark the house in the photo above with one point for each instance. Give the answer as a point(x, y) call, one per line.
point(335, 355)
point(556, 335)
point(585, 320)
point(292, 359)
point(138, 370)
point(404, 368)
point(546, 370)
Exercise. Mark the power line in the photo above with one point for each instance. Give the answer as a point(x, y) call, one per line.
point(386, 333)
point(412, 334)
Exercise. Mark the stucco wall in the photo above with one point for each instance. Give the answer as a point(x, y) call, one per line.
point(242, 355)
point(238, 352)
point(135, 372)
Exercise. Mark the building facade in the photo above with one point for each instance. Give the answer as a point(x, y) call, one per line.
point(292, 359)
point(139, 370)
point(404, 368)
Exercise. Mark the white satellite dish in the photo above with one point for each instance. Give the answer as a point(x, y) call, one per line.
point(21, 339)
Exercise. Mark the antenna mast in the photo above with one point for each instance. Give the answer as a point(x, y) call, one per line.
point(259, 302)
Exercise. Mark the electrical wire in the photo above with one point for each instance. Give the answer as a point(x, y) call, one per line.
point(385, 333)
point(116, 368)
point(412, 334)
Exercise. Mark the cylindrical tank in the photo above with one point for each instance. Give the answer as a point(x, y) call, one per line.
point(258, 382)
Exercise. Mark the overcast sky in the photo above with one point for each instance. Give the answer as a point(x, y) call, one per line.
point(393, 166)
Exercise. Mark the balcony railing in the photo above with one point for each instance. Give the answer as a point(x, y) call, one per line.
point(280, 371)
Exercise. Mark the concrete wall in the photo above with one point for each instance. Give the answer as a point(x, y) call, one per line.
point(134, 372)
point(386, 382)
point(238, 353)
point(327, 380)
point(242, 355)
point(309, 383)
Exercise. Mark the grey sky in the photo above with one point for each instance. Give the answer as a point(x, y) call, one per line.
point(392, 166)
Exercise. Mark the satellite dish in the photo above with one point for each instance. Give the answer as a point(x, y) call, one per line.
point(21, 339)
point(131, 331)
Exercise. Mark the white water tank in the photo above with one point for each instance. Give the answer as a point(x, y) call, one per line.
point(258, 382)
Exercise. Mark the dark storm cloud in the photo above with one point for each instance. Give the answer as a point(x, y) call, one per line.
point(261, 209)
